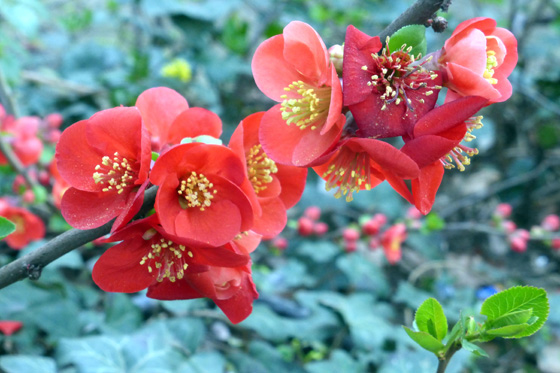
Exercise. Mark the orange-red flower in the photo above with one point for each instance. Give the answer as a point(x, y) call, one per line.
point(294, 69)
point(392, 240)
point(106, 160)
point(173, 267)
point(386, 92)
point(168, 118)
point(28, 225)
point(274, 188)
point(477, 60)
point(200, 195)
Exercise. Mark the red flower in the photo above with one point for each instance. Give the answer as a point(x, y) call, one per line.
point(28, 226)
point(435, 144)
point(106, 160)
point(392, 240)
point(477, 59)
point(172, 267)
point(386, 92)
point(21, 134)
point(362, 163)
point(8, 327)
point(294, 69)
point(60, 185)
point(274, 188)
point(168, 118)
point(200, 195)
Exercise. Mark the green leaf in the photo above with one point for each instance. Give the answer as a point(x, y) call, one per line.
point(471, 347)
point(431, 319)
point(513, 318)
point(425, 340)
point(6, 227)
point(412, 36)
point(434, 222)
point(510, 331)
point(519, 298)
point(27, 363)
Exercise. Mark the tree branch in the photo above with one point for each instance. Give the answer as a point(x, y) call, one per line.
point(31, 265)
point(417, 14)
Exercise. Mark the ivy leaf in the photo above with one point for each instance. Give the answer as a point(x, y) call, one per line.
point(6, 227)
point(425, 340)
point(509, 302)
point(431, 319)
point(471, 347)
point(413, 36)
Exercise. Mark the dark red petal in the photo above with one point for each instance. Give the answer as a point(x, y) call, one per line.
point(194, 122)
point(119, 269)
point(240, 306)
point(426, 150)
point(131, 208)
point(159, 107)
point(425, 187)
point(220, 256)
point(386, 156)
point(399, 186)
point(293, 181)
point(88, 210)
point(167, 290)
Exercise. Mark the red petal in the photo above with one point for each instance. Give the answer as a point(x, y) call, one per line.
point(168, 290)
point(425, 187)
point(240, 306)
point(133, 205)
point(119, 269)
point(159, 107)
point(194, 122)
point(425, 150)
point(8, 327)
point(273, 219)
point(468, 83)
point(293, 181)
point(88, 210)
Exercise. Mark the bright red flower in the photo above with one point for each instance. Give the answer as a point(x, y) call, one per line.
point(477, 59)
point(9, 327)
point(387, 92)
point(29, 227)
point(200, 195)
point(274, 188)
point(106, 160)
point(294, 69)
point(361, 163)
point(392, 240)
point(168, 118)
point(173, 267)
point(435, 144)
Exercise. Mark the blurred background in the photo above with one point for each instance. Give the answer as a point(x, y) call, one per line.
point(330, 300)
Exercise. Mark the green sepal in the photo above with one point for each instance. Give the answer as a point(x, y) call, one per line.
point(6, 227)
point(205, 139)
point(425, 340)
point(155, 156)
point(413, 36)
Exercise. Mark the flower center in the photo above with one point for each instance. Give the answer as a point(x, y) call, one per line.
point(304, 104)
point(114, 174)
point(491, 63)
point(167, 260)
point(393, 74)
point(260, 168)
point(196, 191)
point(457, 157)
point(350, 172)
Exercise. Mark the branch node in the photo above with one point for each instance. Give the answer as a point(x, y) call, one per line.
point(33, 271)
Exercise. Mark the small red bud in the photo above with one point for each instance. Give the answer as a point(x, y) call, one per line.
point(350, 234)
point(313, 213)
point(551, 223)
point(320, 228)
point(280, 243)
point(305, 226)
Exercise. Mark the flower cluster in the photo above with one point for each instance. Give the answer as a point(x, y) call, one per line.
point(391, 91)
point(214, 203)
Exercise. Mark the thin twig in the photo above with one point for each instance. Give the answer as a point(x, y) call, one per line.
point(31, 265)
point(417, 14)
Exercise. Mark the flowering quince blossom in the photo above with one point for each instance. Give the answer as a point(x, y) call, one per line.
point(386, 92)
point(274, 188)
point(106, 160)
point(435, 145)
point(28, 226)
point(174, 267)
point(21, 134)
point(9, 327)
point(200, 194)
point(168, 118)
point(392, 240)
point(477, 59)
point(294, 69)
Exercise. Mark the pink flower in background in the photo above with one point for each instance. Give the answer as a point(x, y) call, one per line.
point(551, 223)
point(392, 240)
point(21, 134)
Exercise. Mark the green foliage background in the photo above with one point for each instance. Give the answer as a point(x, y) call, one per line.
point(321, 309)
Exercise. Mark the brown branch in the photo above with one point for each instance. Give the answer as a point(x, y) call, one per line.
point(417, 14)
point(31, 265)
